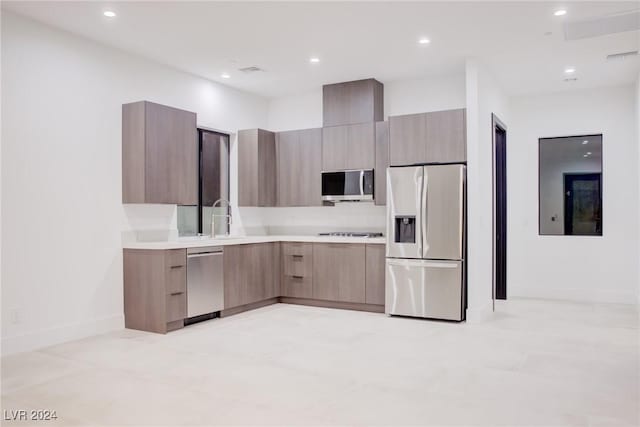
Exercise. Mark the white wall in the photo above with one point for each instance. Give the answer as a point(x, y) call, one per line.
point(586, 268)
point(638, 145)
point(62, 215)
point(305, 111)
point(483, 98)
point(301, 111)
point(428, 94)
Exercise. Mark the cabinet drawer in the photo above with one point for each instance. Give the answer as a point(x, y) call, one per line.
point(176, 279)
point(297, 287)
point(297, 248)
point(176, 307)
point(176, 257)
point(297, 265)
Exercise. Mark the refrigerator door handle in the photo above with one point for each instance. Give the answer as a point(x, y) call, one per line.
point(422, 263)
point(424, 213)
point(419, 187)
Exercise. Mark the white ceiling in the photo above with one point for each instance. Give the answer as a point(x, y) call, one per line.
point(354, 40)
point(572, 149)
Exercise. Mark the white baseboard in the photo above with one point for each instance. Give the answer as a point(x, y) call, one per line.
point(480, 314)
point(578, 295)
point(60, 334)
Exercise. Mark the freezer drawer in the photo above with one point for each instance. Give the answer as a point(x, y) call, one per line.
point(424, 288)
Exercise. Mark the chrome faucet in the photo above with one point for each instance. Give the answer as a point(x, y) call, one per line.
point(213, 216)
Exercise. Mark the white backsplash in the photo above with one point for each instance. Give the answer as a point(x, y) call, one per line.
point(146, 222)
point(309, 220)
point(159, 222)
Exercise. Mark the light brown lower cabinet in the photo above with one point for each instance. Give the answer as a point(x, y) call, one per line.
point(297, 270)
point(155, 281)
point(251, 273)
point(339, 272)
point(375, 274)
point(155, 289)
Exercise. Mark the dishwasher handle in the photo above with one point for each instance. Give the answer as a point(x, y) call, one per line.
point(203, 254)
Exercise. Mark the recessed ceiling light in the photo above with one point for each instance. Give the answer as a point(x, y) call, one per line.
point(314, 59)
point(588, 153)
point(109, 13)
point(225, 76)
point(560, 12)
point(424, 40)
point(585, 142)
point(569, 70)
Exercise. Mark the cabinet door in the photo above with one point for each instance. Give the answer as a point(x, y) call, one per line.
point(382, 162)
point(335, 104)
point(375, 274)
point(267, 173)
point(408, 139)
point(309, 172)
point(339, 272)
point(171, 153)
point(348, 147)
point(248, 167)
point(360, 148)
point(235, 275)
point(251, 273)
point(334, 152)
point(299, 167)
point(359, 101)
point(256, 168)
point(269, 281)
point(446, 136)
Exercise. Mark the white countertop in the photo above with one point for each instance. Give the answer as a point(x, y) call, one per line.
point(197, 242)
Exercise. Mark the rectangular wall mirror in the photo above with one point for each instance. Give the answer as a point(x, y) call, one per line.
point(570, 186)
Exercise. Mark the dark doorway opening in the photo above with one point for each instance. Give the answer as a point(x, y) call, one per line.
point(582, 204)
point(499, 209)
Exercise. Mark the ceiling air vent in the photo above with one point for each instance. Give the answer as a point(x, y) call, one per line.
point(595, 27)
point(251, 69)
point(622, 55)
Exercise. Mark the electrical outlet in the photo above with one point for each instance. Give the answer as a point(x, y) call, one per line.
point(15, 317)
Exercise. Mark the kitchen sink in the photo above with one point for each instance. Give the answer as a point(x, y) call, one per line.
point(208, 237)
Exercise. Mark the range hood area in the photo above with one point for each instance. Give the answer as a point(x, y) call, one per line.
point(344, 161)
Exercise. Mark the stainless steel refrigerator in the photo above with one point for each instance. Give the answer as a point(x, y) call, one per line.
point(425, 269)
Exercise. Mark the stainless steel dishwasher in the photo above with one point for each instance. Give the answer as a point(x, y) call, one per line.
point(205, 281)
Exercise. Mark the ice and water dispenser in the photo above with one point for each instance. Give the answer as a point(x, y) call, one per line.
point(405, 229)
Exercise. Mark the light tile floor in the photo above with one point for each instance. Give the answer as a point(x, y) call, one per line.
point(543, 363)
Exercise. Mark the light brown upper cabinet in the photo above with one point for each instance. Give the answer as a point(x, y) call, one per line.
point(434, 137)
point(257, 172)
point(339, 272)
point(159, 154)
point(299, 167)
point(447, 136)
point(348, 147)
point(359, 101)
point(382, 162)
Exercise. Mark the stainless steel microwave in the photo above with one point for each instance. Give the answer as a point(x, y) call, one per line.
point(347, 186)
